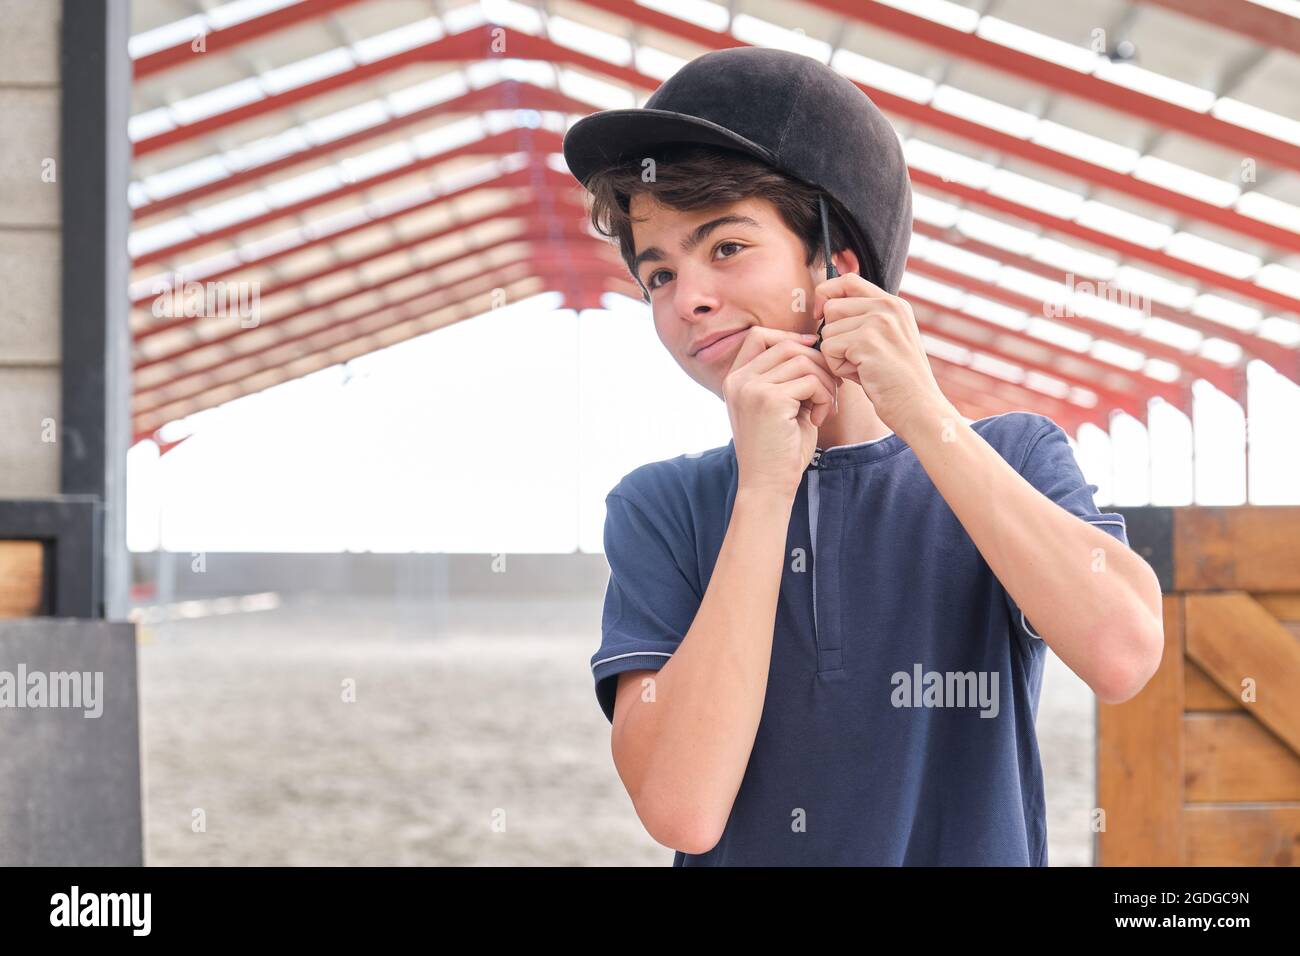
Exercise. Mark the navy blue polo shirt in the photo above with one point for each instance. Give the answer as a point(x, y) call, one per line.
point(898, 722)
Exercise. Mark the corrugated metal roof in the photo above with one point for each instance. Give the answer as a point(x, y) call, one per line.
point(1107, 194)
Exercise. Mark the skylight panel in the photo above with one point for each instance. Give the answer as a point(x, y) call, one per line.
point(591, 90)
point(986, 112)
point(999, 368)
point(593, 42)
point(1046, 384)
point(1279, 278)
point(657, 63)
point(453, 135)
point(538, 72)
point(1114, 354)
point(951, 165)
point(405, 37)
point(1058, 334)
point(1148, 284)
point(1035, 194)
point(329, 63)
point(1075, 143)
point(891, 79)
point(336, 125)
point(1212, 255)
point(223, 98)
point(926, 288)
point(1034, 286)
point(1290, 7)
point(143, 241)
point(519, 16)
point(462, 18)
point(1260, 120)
point(959, 260)
point(934, 211)
point(996, 232)
point(172, 181)
point(378, 161)
point(1161, 370)
point(266, 150)
point(1172, 334)
point(1037, 44)
point(167, 35)
point(231, 211)
point(1073, 259)
point(1157, 85)
point(944, 349)
point(1267, 209)
point(765, 34)
point(287, 191)
point(940, 11)
point(1111, 306)
point(1125, 225)
point(712, 16)
point(446, 87)
point(150, 123)
point(1221, 351)
point(1280, 330)
point(1226, 312)
point(1186, 181)
point(995, 312)
point(228, 14)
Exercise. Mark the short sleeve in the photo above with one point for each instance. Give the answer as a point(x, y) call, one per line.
point(650, 601)
point(1050, 466)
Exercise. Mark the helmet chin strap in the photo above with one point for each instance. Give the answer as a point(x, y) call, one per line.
point(831, 271)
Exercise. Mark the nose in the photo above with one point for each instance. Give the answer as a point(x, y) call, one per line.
point(695, 295)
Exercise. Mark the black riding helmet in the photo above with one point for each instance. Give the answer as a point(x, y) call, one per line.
point(789, 110)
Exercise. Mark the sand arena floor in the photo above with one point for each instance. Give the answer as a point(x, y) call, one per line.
point(474, 739)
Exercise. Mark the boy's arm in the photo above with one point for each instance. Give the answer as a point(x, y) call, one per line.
point(1094, 601)
point(682, 751)
point(1107, 626)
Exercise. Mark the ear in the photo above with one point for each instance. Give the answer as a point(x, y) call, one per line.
point(846, 261)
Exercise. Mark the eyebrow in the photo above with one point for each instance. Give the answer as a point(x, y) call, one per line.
point(698, 235)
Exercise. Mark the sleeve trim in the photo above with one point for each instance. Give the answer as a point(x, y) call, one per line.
point(606, 660)
point(1107, 518)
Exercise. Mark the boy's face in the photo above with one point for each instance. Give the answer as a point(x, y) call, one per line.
point(744, 271)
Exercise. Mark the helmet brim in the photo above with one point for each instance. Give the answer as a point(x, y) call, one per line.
point(602, 139)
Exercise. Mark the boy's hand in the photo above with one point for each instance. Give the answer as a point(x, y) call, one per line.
point(779, 391)
point(871, 338)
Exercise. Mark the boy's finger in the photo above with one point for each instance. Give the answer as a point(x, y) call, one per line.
point(757, 340)
point(847, 285)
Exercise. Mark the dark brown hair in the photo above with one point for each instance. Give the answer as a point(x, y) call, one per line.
point(693, 176)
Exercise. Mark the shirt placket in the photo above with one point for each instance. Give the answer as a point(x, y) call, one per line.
point(825, 531)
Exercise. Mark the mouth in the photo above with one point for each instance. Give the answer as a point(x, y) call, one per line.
point(720, 346)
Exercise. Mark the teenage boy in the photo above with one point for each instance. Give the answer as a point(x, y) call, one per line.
point(817, 645)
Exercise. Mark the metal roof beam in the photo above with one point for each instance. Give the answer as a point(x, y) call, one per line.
point(1237, 140)
point(520, 140)
point(228, 38)
point(505, 94)
point(407, 312)
point(990, 138)
point(1270, 28)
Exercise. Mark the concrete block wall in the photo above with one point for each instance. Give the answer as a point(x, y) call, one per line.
point(30, 248)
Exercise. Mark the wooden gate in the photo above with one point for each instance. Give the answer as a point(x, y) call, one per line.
point(1202, 768)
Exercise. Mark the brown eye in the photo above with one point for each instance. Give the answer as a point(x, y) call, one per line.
point(723, 245)
point(650, 282)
